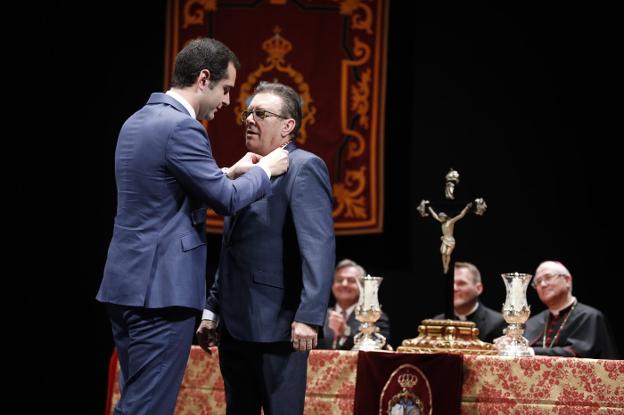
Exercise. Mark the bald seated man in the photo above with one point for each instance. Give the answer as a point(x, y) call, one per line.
point(567, 327)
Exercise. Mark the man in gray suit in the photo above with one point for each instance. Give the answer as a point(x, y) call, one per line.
point(341, 325)
point(154, 277)
point(272, 288)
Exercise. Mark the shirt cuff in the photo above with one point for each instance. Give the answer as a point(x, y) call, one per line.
point(342, 341)
point(209, 315)
point(266, 170)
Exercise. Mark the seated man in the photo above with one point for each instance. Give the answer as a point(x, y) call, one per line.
point(341, 325)
point(467, 288)
point(568, 327)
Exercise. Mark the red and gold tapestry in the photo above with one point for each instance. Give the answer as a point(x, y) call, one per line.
point(333, 52)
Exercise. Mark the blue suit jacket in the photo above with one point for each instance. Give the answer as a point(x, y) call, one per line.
point(166, 177)
point(277, 257)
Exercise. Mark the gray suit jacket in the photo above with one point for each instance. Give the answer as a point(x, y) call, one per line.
point(326, 342)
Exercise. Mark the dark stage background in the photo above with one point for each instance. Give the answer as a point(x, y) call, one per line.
point(516, 97)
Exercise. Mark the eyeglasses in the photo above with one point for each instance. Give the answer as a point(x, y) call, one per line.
point(547, 278)
point(348, 280)
point(259, 114)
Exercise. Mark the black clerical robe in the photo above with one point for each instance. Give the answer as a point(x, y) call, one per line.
point(578, 331)
point(489, 322)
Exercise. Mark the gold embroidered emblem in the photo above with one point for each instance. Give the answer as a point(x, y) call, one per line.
point(410, 400)
point(277, 47)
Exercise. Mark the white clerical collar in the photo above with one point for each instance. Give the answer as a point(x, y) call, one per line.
point(347, 311)
point(182, 101)
point(464, 317)
point(555, 312)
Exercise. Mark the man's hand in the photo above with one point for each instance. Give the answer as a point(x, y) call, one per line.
point(303, 336)
point(207, 334)
point(243, 165)
point(337, 323)
point(276, 161)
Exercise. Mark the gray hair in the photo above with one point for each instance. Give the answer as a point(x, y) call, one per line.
point(349, 263)
point(554, 267)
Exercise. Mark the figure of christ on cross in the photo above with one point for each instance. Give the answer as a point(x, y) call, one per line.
point(448, 226)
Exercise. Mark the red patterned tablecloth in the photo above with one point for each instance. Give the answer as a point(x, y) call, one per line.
point(492, 385)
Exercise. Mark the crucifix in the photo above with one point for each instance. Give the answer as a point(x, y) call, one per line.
point(448, 228)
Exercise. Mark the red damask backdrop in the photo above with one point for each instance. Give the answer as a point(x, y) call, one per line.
point(333, 52)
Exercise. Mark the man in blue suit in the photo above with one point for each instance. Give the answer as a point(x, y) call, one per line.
point(154, 277)
point(275, 271)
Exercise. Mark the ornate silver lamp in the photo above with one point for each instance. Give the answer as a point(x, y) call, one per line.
point(516, 312)
point(367, 312)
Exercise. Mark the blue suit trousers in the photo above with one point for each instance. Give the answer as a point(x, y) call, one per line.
point(157, 343)
point(268, 375)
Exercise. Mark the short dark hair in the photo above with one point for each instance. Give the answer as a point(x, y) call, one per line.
point(474, 271)
point(291, 101)
point(199, 54)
